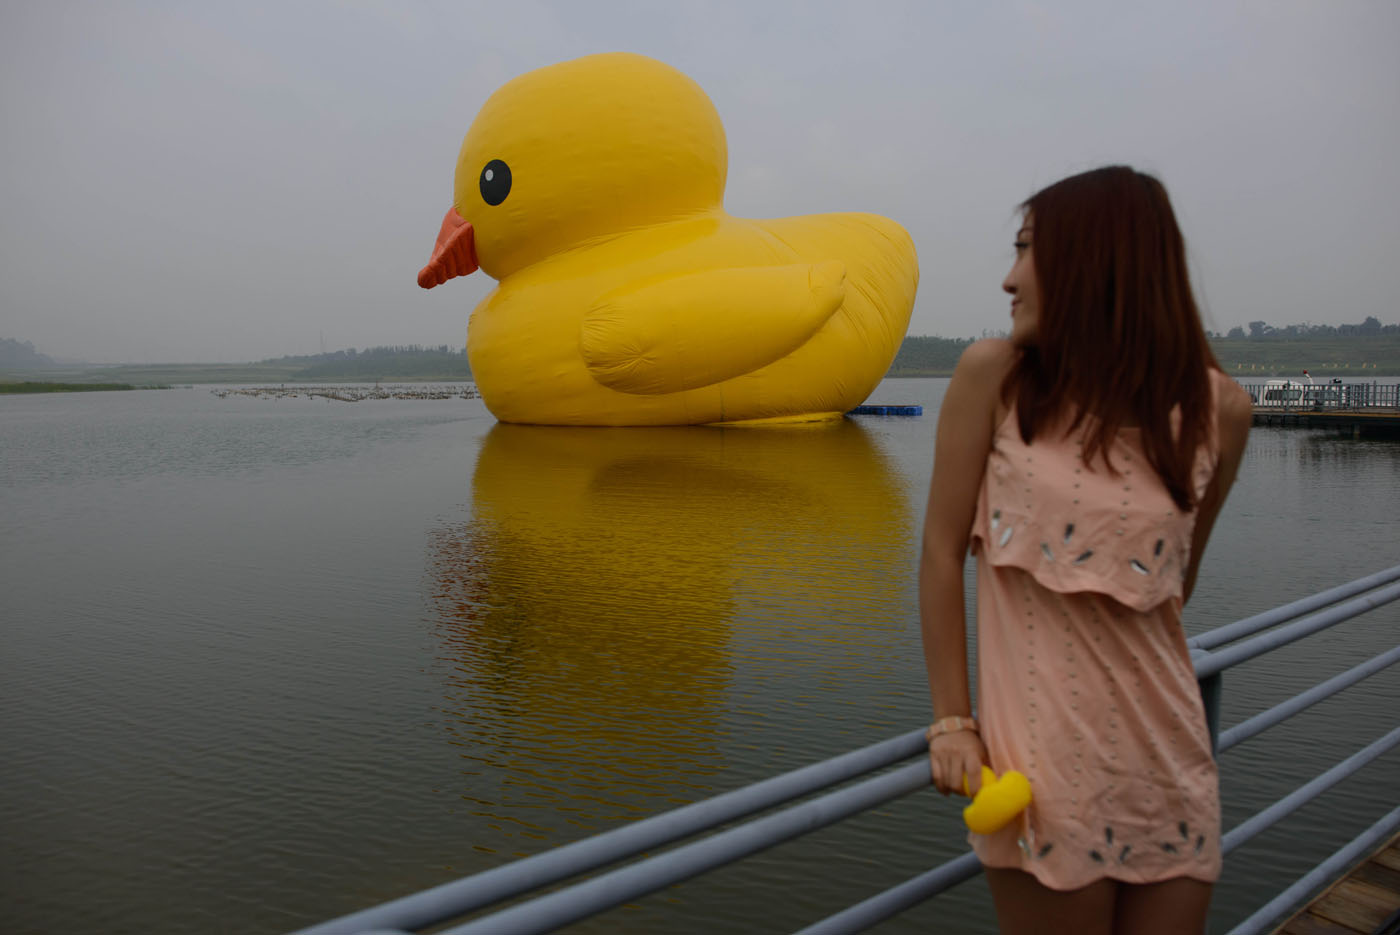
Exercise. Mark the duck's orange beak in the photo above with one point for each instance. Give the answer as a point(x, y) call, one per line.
point(454, 254)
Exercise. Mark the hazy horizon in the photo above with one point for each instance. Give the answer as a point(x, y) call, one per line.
point(238, 182)
point(60, 361)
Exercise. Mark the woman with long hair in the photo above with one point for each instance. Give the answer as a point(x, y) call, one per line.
point(1084, 461)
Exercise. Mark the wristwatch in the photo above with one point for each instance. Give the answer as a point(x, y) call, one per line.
point(950, 724)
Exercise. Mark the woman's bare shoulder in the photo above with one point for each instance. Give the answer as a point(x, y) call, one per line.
point(1232, 401)
point(987, 360)
point(1234, 410)
point(976, 383)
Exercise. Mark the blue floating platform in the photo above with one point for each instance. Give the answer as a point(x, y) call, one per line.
point(887, 411)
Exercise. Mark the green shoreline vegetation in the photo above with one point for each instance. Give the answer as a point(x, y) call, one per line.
point(46, 386)
point(1348, 352)
point(1351, 357)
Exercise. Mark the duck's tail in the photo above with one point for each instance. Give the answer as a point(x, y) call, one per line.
point(882, 277)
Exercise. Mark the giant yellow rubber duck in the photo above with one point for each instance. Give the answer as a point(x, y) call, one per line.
point(593, 190)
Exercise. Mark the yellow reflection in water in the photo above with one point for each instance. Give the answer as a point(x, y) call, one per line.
point(589, 607)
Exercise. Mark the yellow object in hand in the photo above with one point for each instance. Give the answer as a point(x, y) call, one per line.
point(997, 802)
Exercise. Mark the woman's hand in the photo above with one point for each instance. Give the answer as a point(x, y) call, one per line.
point(954, 755)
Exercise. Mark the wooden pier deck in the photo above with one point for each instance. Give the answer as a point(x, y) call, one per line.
point(1364, 422)
point(1364, 902)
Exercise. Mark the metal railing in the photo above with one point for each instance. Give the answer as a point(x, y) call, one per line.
point(1210, 654)
point(1296, 396)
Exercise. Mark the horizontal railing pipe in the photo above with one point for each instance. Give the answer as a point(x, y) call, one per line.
point(1269, 618)
point(1307, 792)
point(1329, 869)
point(896, 899)
point(1283, 711)
point(459, 897)
point(627, 883)
point(1218, 661)
point(893, 901)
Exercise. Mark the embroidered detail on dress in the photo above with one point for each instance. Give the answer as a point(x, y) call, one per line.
point(1138, 567)
point(1185, 834)
point(1123, 854)
point(1069, 531)
point(1006, 535)
point(1045, 550)
point(1200, 842)
point(1169, 847)
point(1083, 557)
point(996, 519)
point(1157, 551)
point(1098, 858)
point(1108, 835)
point(1044, 850)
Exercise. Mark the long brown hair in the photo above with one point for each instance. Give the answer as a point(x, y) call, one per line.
point(1119, 335)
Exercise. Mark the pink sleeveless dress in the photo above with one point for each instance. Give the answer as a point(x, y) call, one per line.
point(1085, 683)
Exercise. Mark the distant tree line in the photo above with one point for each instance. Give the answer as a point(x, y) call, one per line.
point(384, 352)
point(20, 355)
point(1366, 349)
point(1263, 331)
point(1345, 347)
point(402, 361)
point(928, 356)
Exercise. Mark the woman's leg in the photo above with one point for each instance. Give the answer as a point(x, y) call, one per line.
point(1027, 907)
point(1172, 907)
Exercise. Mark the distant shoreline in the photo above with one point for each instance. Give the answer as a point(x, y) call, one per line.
point(164, 377)
point(1351, 359)
point(45, 386)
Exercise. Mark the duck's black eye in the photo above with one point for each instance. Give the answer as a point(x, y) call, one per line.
point(495, 182)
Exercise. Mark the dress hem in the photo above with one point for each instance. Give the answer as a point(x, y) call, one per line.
point(1137, 880)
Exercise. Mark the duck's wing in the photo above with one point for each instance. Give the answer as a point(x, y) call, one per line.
point(681, 332)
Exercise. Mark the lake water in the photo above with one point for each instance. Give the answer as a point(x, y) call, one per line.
point(270, 661)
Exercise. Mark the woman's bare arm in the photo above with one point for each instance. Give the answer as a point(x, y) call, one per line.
point(966, 422)
point(1234, 412)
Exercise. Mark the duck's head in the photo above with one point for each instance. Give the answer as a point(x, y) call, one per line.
point(574, 152)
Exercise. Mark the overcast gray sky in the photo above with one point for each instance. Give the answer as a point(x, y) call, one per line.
point(230, 181)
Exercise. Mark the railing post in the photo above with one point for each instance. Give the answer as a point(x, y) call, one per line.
point(1211, 687)
point(1210, 694)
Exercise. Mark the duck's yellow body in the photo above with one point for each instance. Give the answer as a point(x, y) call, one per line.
point(592, 190)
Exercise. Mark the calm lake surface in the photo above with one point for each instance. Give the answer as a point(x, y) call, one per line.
point(270, 661)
